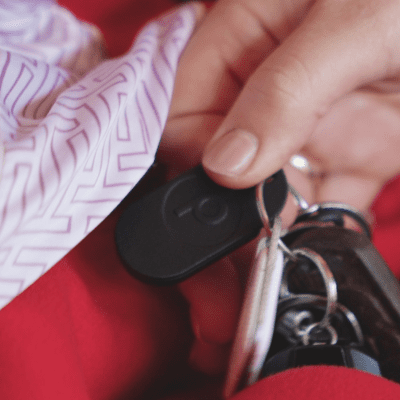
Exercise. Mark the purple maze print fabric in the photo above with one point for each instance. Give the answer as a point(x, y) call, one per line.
point(77, 132)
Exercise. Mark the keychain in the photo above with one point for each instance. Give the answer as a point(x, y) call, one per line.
point(319, 293)
point(338, 303)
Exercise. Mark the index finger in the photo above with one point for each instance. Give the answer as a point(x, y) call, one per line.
point(228, 46)
point(338, 47)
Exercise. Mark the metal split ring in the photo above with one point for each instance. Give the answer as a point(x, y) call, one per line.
point(262, 211)
point(327, 276)
point(346, 209)
point(299, 199)
point(301, 300)
point(329, 328)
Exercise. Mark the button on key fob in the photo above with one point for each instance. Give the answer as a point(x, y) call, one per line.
point(190, 223)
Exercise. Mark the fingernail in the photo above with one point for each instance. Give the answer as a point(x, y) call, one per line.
point(232, 153)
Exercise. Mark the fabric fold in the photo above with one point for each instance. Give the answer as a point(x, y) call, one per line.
point(78, 133)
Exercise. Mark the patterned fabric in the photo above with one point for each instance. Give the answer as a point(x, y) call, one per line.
point(78, 133)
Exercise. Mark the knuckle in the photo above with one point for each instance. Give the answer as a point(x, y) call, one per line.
point(289, 83)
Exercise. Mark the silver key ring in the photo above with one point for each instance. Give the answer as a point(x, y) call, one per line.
point(328, 328)
point(299, 199)
point(262, 212)
point(346, 209)
point(327, 276)
point(315, 299)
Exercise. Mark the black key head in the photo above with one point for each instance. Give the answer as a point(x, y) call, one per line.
point(190, 223)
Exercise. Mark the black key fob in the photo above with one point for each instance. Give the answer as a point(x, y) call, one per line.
point(190, 223)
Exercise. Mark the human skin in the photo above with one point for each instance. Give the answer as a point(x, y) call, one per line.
point(262, 80)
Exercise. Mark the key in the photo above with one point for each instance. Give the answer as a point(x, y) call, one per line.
point(366, 286)
point(189, 223)
point(361, 333)
point(313, 330)
point(256, 324)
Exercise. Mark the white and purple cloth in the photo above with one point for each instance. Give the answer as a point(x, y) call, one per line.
point(77, 132)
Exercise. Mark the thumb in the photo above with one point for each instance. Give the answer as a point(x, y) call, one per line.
point(338, 47)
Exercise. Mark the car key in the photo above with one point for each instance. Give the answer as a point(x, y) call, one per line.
point(366, 286)
point(320, 228)
point(314, 329)
point(366, 317)
point(191, 222)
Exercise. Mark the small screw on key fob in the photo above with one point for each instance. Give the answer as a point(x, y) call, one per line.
point(190, 223)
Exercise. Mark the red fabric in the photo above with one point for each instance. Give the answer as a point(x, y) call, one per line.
point(328, 383)
point(119, 20)
point(87, 330)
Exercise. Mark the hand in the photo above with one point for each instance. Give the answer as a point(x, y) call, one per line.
point(277, 72)
point(262, 80)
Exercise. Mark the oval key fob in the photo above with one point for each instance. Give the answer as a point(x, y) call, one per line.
point(190, 223)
